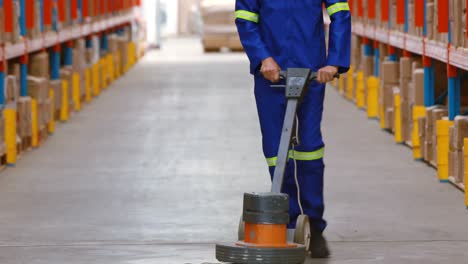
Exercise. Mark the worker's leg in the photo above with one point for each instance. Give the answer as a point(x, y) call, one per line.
point(310, 166)
point(271, 106)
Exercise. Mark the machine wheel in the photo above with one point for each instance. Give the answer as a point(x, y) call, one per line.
point(302, 233)
point(241, 230)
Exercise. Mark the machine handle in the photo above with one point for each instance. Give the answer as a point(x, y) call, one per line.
point(284, 76)
point(313, 75)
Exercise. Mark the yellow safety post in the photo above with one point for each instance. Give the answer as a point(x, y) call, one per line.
point(397, 119)
point(34, 124)
point(465, 150)
point(76, 91)
point(418, 111)
point(51, 124)
point(442, 130)
point(64, 109)
point(350, 83)
point(10, 136)
point(102, 74)
point(88, 85)
point(360, 96)
point(105, 71)
point(110, 63)
point(372, 97)
point(131, 54)
point(119, 65)
point(95, 73)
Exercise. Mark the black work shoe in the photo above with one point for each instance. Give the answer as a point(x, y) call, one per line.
point(318, 245)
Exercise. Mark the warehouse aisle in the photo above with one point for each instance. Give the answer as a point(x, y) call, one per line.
point(154, 171)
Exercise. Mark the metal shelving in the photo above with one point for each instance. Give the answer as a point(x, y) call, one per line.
point(50, 39)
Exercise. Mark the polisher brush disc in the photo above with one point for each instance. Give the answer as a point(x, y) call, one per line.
point(232, 253)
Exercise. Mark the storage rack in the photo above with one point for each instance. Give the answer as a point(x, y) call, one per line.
point(455, 59)
point(61, 23)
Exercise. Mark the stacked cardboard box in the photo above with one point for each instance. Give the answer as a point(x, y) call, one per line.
point(79, 63)
point(456, 14)
point(458, 132)
point(38, 89)
point(24, 125)
point(367, 67)
point(406, 77)
point(66, 75)
point(219, 29)
point(56, 86)
point(123, 49)
point(433, 114)
point(390, 79)
point(12, 89)
point(356, 57)
point(39, 65)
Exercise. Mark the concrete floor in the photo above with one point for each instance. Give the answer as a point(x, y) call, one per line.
point(154, 171)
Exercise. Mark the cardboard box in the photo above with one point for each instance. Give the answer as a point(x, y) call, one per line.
point(406, 119)
point(390, 72)
point(460, 132)
point(406, 69)
point(459, 166)
point(56, 86)
point(234, 43)
point(451, 163)
point(418, 87)
point(389, 119)
point(12, 89)
point(24, 116)
point(38, 88)
point(452, 142)
point(39, 65)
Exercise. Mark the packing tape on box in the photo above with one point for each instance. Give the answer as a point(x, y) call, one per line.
point(442, 130)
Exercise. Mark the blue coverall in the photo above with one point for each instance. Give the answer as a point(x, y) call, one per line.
point(292, 32)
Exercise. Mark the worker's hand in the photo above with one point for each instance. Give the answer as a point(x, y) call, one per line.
point(326, 74)
point(270, 70)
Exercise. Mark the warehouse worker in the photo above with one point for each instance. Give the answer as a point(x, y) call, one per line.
point(280, 34)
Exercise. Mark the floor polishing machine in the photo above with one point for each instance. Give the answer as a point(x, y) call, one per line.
point(263, 233)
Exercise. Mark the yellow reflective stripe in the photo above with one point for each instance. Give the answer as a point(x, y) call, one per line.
point(246, 15)
point(342, 6)
point(299, 155)
point(314, 155)
point(272, 161)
